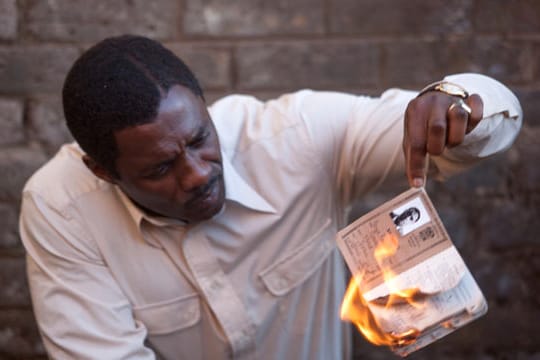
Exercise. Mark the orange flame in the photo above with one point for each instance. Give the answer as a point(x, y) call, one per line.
point(355, 308)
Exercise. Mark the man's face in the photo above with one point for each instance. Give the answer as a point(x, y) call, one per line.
point(172, 166)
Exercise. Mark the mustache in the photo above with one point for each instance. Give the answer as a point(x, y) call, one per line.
point(201, 191)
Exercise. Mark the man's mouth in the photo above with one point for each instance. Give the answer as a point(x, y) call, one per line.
point(204, 192)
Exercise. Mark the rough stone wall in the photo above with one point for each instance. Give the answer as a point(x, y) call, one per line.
point(269, 47)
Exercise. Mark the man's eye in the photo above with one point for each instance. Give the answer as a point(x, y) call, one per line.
point(159, 171)
point(200, 139)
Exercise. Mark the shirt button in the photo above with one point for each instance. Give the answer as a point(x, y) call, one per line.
point(215, 285)
point(280, 283)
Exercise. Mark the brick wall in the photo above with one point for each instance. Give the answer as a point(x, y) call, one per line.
point(269, 47)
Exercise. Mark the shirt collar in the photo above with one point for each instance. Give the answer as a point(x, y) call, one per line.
point(239, 191)
point(139, 214)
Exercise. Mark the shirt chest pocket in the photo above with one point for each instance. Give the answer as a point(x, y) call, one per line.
point(300, 263)
point(169, 316)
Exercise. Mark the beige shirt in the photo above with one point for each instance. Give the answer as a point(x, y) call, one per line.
point(263, 278)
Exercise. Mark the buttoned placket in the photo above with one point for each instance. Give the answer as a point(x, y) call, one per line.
point(220, 294)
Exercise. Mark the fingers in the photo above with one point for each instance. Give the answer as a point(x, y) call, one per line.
point(458, 119)
point(477, 106)
point(461, 121)
point(416, 162)
point(437, 130)
point(433, 123)
point(415, 143)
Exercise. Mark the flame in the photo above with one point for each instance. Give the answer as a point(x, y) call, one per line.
point(387, 248)
point(355, 308)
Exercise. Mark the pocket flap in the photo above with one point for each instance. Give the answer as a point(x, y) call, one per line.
point(301, 263)
point(168, 316)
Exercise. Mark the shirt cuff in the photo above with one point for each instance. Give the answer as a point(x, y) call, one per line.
point(496, 132)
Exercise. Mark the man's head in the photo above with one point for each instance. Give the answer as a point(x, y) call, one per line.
point(139, 114)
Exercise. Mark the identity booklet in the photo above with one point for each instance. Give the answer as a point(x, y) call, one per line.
point(415, 286)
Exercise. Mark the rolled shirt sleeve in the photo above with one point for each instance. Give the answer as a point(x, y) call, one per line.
point(81, 311)
point(360, 138)
point(502, 120)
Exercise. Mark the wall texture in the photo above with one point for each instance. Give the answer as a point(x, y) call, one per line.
point(269, 47)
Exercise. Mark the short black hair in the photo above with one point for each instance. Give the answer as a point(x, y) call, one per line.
point(119, 83)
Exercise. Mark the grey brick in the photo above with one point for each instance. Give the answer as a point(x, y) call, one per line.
point(510, 61)
point(507, 225)
point(11, 121)
point(253, 17)
point(19, 335)
point(509, 278)
point(8, 19)
point(47, 124)
point(9, 216)
point(80, 20)
point(530, 105)
point(212, 96)
point(390, 17)
point(415, 62)
point(303, 64)
point(508, 333)
point(210, 65)
point(421, 62)
point(14, 290)
point(501, 16)
point(525, 169)
point(487, 178)
point(535, 61)
point(34, 69)
point(455, 221)
point(16, 166)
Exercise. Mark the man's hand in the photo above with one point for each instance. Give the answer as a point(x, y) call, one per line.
point(432, 124)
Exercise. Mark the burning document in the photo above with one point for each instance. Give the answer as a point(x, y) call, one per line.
point(410, 286)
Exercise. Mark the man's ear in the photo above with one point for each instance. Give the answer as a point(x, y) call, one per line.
point(97, 169)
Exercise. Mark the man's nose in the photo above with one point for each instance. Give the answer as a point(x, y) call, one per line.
point(194, 172)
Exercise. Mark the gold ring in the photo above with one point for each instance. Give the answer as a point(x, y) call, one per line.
point(462, 105)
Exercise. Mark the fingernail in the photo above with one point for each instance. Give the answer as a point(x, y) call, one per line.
point(418, 182)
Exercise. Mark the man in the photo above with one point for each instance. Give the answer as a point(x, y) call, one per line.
point(179, 231)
